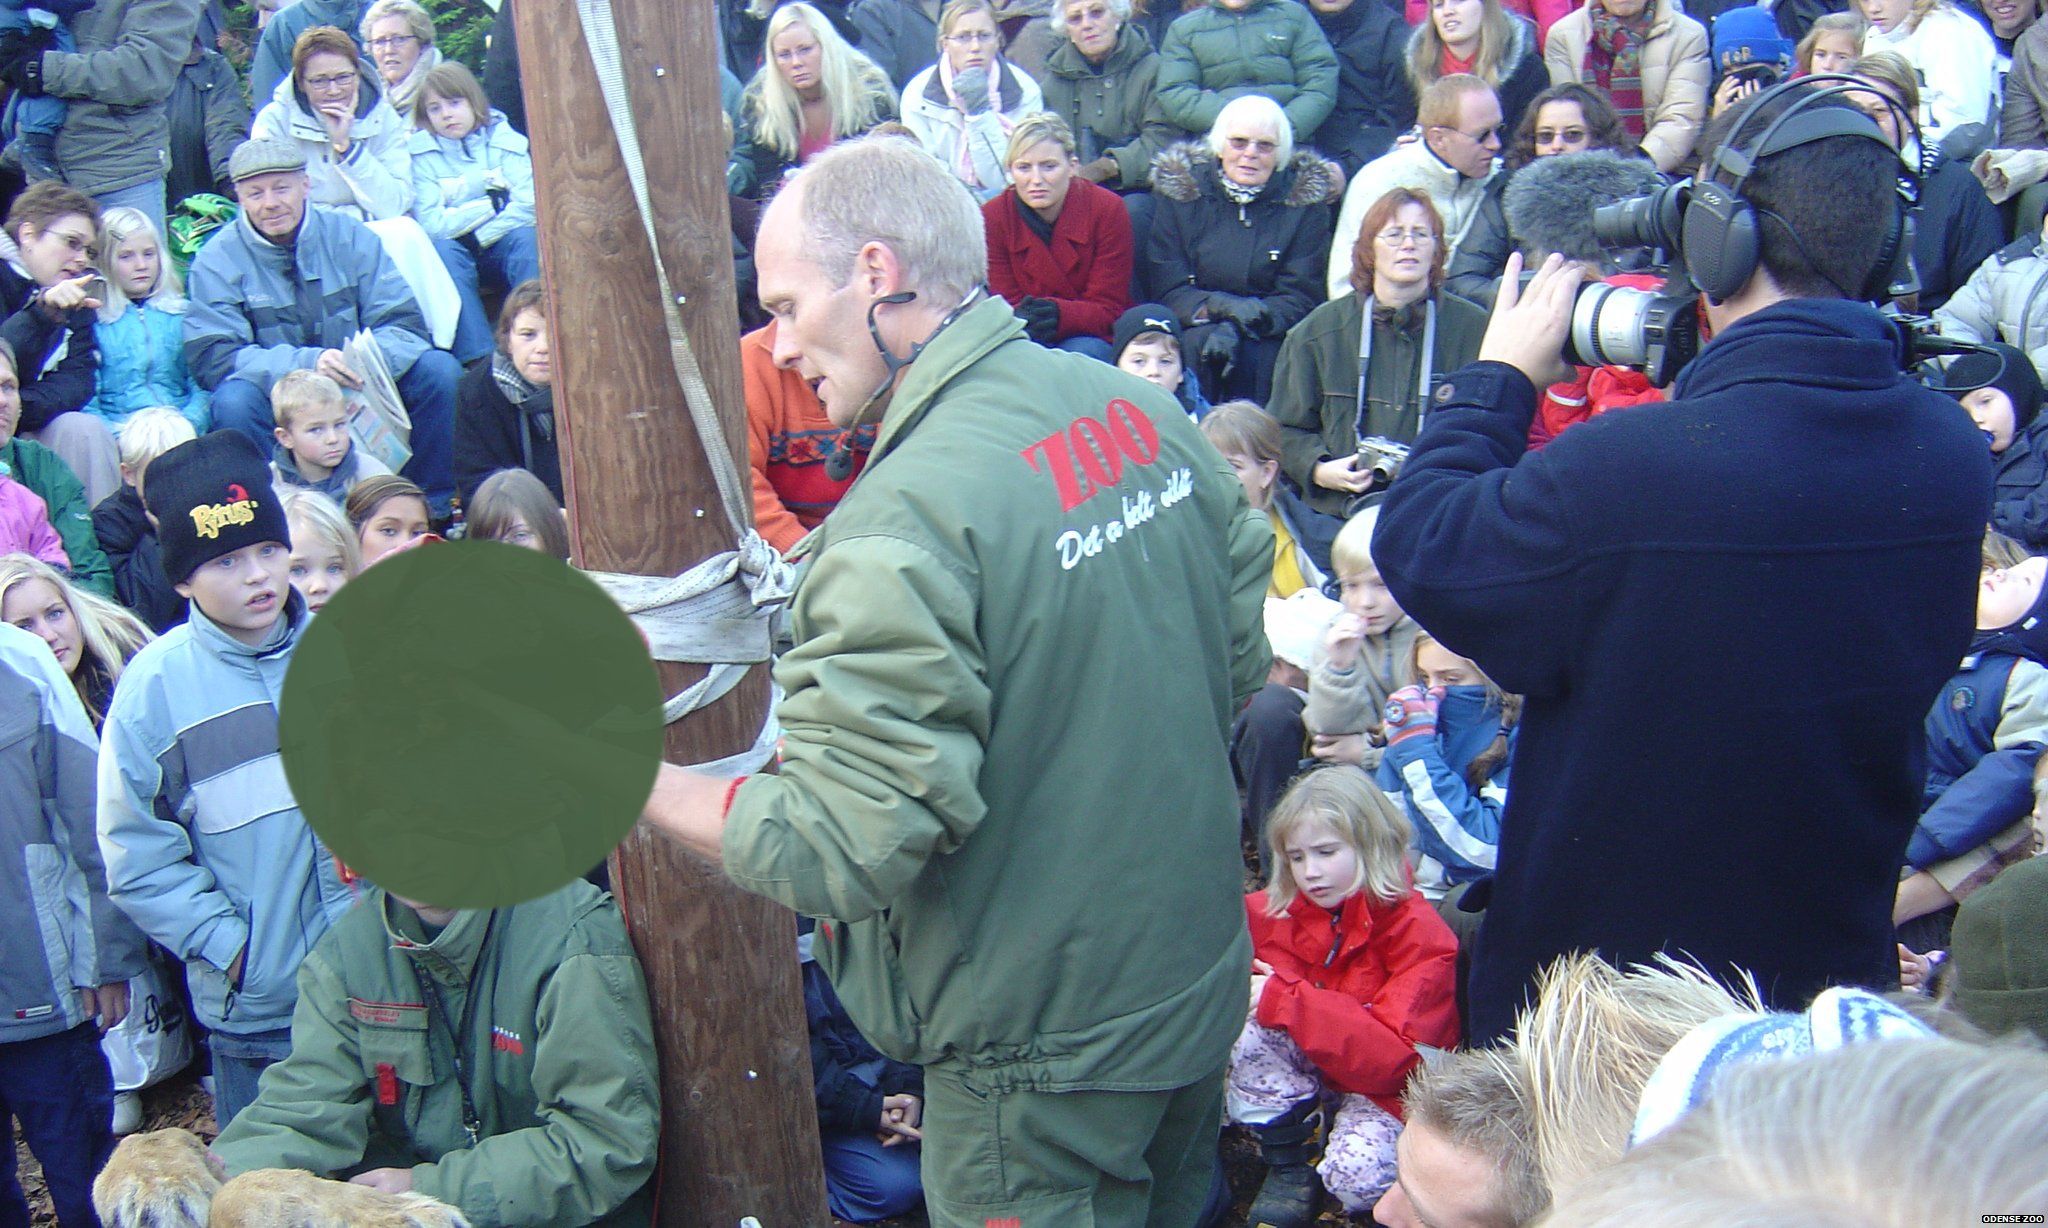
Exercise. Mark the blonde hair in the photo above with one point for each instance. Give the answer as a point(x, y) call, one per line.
point(1351, 805)
point(1487, 761)
point(950, 16)
point(1489, 67)
point(1588, 1044)
point(1444, 98)
point(1895, 74)
point(117, 226)
point(324, 517)
point(150, 433)
point(2001, 552)
point(418, 22)
point(1477, 1099)
point(1241, 428)
point(109, 634)
point(1851, 24)
point(1036, 127)
point(1892, 1134)
point(855, 89)
point(1351, 551)
point(1249, 113)
point(299, 391)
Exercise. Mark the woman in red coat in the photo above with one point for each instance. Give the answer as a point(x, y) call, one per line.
point(1059, 247)
point(1351, 970)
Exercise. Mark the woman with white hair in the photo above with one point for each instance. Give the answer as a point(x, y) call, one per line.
point(962, 108)
point(1101, 79)
point(1238, 243)
point(399, 35)
point(814, 89)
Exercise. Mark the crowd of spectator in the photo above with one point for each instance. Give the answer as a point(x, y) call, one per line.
point(1294, 217)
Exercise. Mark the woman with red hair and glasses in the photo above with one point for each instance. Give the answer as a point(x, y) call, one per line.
point(1362, 365)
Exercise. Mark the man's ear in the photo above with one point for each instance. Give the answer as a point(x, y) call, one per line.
point(878, 270)
point(183, 590)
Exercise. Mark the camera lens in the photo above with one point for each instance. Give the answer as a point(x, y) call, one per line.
point(1646, 221)
point(1608, 325)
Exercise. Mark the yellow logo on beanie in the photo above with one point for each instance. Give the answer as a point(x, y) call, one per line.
point(210, 518)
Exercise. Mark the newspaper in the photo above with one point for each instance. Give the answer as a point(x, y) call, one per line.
point(380, 425)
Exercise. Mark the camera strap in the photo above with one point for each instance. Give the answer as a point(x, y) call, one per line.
point(1427, 366)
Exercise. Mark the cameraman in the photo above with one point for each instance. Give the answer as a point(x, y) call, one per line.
point(1729, 613)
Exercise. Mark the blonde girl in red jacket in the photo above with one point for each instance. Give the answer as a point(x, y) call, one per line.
point(1351, 971)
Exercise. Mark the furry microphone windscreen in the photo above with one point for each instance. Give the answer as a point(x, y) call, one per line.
point(1550, 202)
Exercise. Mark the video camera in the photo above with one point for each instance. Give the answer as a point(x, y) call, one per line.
point(1709, 234)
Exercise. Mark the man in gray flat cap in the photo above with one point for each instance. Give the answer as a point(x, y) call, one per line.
point(283, 290)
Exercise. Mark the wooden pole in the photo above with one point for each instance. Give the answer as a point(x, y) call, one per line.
point(739, 1130)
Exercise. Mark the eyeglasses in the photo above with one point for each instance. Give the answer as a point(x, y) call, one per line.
point(1395, 236)
point(391, 41)
point(1477, 138)
point(974, 38)
point(1552, 136)
point(324, 84)
point(1241, 143)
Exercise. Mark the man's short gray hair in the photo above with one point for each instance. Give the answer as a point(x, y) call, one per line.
point(884, 189)
point(1253, 115)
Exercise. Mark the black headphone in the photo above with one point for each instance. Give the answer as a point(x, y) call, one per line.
point(1719, 238)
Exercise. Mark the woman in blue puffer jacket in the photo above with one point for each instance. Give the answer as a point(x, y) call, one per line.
point(141, 328)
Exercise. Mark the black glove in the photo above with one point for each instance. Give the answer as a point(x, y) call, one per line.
point(1219, 350)
point(1041, 318)
point(970, 86)
point(1249, 313)
point(21, 63)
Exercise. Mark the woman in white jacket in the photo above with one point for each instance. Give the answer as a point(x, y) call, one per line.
point(359, 160)
point(1951, 52)
point(963, 107)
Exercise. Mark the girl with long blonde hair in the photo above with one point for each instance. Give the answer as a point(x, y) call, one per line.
point(814, 89)
point(91, 637)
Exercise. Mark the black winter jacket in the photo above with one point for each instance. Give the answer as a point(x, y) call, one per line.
point(1273, 249)
point(46, 390)
point(209, 117)
point(1375, 102)
point(131, 546)
point(1649, 581)
point(491, 434)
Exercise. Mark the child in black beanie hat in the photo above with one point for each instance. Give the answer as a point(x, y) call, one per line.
point(216, 512)
point(2002, 393)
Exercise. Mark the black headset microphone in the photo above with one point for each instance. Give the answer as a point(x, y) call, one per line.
point(839, 465)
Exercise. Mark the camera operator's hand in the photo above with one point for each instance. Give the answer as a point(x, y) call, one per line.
point(1345, 473)
point(1529, 323)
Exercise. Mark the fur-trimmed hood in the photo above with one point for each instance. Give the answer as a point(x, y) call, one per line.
point(1523, 43)
point(1189, 171)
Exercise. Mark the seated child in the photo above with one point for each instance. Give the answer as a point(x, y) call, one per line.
point(123, 527)
point(1351, 971)
point(388, 513)
point(1985, 733)
point(556, 1069)
point(1250, 440)
point(315, 450)
point(325, 555)
point(1450, 737)
point(1147, 343)
point(2002, 392)
point(514, 507)
point(34, 118)
point(25, 525)
point(1367, 655)
point(472, 178)
point(869, 1107)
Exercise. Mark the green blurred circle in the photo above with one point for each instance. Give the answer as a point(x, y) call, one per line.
point(471, 725)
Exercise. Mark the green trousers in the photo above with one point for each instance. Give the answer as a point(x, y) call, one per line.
point(1082, 1159)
